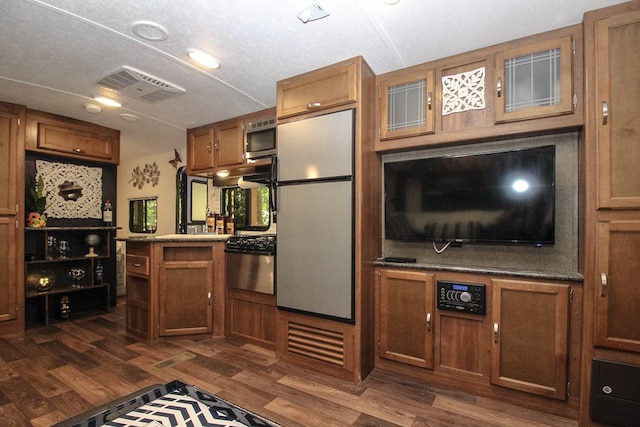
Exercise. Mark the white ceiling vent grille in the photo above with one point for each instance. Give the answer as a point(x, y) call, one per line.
point(136, 84)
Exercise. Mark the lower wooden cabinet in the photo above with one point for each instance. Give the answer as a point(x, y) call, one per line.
point(406, 316)
point(530, 337)
point(251, 316)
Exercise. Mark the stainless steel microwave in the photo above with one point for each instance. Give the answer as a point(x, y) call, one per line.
point(261, 140)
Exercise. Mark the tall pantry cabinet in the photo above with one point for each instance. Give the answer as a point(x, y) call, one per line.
point(12, 125)
point(612, 221)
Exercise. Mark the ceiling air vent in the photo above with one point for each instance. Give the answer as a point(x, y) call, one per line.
point(136, 84)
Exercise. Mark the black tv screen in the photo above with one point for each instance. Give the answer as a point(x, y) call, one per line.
point(497, 197)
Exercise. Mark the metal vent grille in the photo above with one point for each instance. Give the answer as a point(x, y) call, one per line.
point(320, 344)
point(136, 84)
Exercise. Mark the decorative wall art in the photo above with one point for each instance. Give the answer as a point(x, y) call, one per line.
point(75, 191)
point(149, 174)
point(463, 92)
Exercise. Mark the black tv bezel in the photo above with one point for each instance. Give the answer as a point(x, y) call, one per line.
point(460, 241)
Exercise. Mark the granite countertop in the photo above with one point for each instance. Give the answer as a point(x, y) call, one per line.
point(571, 277)
point(177, 238)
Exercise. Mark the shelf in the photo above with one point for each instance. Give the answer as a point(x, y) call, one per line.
point(43, 229)
point(69, 259)
point(55, 291)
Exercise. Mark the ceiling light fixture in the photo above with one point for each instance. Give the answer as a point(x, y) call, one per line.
point(391, 2)
point(129, 117)
point(107, 101)
point(150, 31)
point(313, 12)
point(223, 173)
point(203, 58)
point(92, 108)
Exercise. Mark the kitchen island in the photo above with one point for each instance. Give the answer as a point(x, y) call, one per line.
point(175, 285)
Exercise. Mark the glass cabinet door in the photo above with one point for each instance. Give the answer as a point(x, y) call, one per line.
point(534, 81)
point(406, 105)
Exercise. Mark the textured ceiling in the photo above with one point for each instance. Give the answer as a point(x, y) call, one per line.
point(52, 52)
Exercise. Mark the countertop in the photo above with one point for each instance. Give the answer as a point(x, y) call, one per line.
point(177, 238)
point(570, 277)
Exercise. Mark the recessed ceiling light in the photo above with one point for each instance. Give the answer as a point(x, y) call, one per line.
point(92, 108)
point(150, 31)
point(129, 117)
point(203, 58)
point(223, 173)
point(107, 101)
point(392, 2)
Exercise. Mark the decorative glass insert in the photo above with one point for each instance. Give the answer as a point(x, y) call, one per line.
point(463, 92)
point(532, 80)
point(406, 105)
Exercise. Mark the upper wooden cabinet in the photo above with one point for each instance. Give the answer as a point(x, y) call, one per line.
point(218, 145)
point(534, 80)
point(327, 87)
point(67, 137)
point(406, 316)
point(229, 143)
point(530, 336)
point(616, 111)
point(407, 104)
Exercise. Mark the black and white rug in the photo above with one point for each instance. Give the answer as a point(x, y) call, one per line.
point(169, 405)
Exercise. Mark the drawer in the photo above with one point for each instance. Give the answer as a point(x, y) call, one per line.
point(137, 264)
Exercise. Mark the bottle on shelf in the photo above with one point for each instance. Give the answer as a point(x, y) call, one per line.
point(107, 213)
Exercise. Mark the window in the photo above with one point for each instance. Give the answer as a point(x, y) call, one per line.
point(249, 207)
point(143, 215)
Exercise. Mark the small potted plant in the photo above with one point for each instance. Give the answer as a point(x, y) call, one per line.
point(36, 203)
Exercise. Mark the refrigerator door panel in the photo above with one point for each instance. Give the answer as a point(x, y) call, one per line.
point(314, 266)
point(317, 147)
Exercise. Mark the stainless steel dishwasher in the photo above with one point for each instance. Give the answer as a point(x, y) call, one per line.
point(251, 263)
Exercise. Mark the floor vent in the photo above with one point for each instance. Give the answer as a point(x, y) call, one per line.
point(320, 344)
point(174, 360)
point(137, 84)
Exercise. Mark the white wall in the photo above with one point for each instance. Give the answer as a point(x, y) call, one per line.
point(165, 190)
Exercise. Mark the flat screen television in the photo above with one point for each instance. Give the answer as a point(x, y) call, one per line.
point(504, 197)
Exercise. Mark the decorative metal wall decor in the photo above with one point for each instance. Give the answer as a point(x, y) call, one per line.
point(57, 176)
point(149, 174)
point(463, 92)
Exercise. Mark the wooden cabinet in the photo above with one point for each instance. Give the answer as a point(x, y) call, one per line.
point(251, 316)
point(141, 296)
point(229, 146)
point(61, 136)
point(534, 80)
point(616, 111)
point(185, 288)
point(200, 149)
point(327, 87)
point(406, 316)
point(530, 336)
point(12, 119)
point(81, 279)
point(617, 298)
point(407, 104)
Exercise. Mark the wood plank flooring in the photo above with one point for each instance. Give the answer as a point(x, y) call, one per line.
point(51, 373)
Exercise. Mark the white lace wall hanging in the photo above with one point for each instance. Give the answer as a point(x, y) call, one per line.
point(54, 175)
point(463, 92)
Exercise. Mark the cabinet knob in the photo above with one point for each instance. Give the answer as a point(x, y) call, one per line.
point(78, 150)
point(605, 113)
point(137, 264)
point(429, 100)
point(603, 283)
point(495, 332)
point(499, 87)
point(428, 321)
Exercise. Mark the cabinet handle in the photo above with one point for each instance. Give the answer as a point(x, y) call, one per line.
point(604, 283)
point(137, 264)
point(78, 150)
point(429, 100)
point(495, 332)
point(605, 113)
point(314, 105)
point(499, 87)
point(209, 147)
point(428, 321)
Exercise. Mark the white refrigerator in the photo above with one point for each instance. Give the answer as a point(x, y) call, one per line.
point(315, 203)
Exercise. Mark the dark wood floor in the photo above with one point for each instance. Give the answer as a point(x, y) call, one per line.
point(52, 373)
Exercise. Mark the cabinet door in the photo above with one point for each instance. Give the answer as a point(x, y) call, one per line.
point(229, 147)
point(534, 81)
point(530, 337)
point(80, 142)
point(328, 87)
point(406, 313)
point(618, 127)
point(406, 105)
point(185, 296)
point(8, 162)
point(618, 299)
point(8, 269)
point(200, 149)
